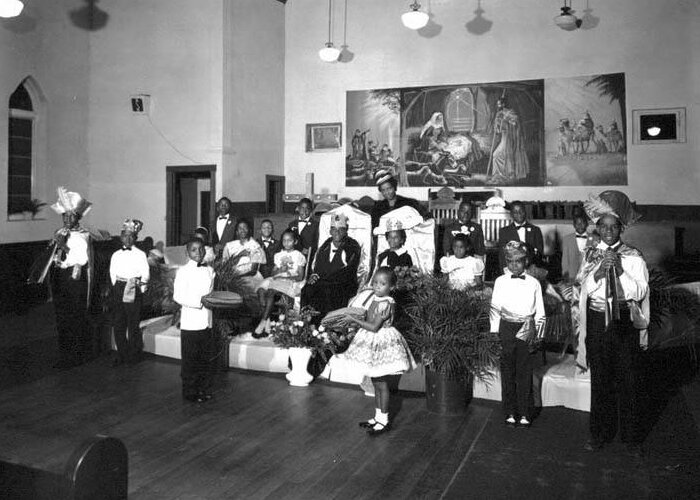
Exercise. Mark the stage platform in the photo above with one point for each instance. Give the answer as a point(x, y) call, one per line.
point(560, 385)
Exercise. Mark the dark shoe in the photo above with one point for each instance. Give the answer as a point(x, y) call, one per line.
point(367, 424)
point(373, 431)
point(204, 396)
point(117, 362)
point(593, 445)
point(634, 450)
point(64, 364)
point(194, 398)
point(259, 335)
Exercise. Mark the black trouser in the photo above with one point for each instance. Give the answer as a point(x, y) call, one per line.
point(611, 358)
point(516, 371)
point(197, 349)
point(126, 317)
point(70, 304)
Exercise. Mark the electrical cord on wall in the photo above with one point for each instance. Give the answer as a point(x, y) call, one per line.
point(172, 146)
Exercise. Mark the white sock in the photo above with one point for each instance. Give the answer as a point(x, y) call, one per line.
point(381, 418)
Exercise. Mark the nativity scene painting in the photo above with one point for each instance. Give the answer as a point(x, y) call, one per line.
point(454, 135)
point(586, 130)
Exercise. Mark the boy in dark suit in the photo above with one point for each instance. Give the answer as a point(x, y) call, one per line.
point(270, 246)
point(521, 230)
point(306, 229)
point(225, 229)
point(464, 225)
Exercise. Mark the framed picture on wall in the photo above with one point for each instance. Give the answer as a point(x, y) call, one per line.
point(658, 126)
point(322, 137)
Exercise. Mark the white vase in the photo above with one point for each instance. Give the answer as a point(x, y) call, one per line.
point(300, 360)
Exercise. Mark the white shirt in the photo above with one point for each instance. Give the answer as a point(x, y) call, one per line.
point(522, 297)
point(521, 232)
point(221, 225)
point(634, 280)
point(581, 242)
point(127, 264)
point(462, 272)
point(191, 284)
point(331, 254)
point(302, 224)
point(77, 243)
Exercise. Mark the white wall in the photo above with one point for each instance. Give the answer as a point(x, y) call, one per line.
point(253, 100)
point(43, 44)
point(172, 50)
point(656, 44)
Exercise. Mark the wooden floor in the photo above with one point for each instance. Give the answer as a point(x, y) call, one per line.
point(260, 438)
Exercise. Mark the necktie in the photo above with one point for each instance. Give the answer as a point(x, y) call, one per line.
point(519, 277)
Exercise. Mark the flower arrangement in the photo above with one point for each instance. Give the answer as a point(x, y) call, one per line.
point(408, 278)
point(295, 329)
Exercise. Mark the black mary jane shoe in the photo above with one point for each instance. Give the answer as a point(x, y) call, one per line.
point(376, 432)
point(367, 424)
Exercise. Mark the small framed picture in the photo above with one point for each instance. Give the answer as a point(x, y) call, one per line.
point(322, 137)
point(658, 126)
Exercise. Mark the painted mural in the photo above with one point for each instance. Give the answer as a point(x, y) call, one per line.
point(487, 134)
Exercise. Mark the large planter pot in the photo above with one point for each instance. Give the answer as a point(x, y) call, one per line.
point(447, 395)
point(299, 376)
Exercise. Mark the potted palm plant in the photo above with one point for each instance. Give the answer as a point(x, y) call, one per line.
point(448, 331)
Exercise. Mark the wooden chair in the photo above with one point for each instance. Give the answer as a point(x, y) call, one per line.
point(444, 207)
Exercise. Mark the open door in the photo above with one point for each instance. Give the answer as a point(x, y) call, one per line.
point(190, 201)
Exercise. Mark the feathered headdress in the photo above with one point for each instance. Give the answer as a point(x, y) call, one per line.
point(131, 226)
point(69, 201)
point(615, 203)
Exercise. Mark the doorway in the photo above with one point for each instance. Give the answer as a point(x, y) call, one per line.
point(190, 201)
point(275, 193)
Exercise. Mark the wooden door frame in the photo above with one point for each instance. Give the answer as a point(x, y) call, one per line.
point(171, 175)
point(269, 178)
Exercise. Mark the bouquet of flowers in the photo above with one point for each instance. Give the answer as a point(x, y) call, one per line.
point(408, 278)
point(295, 329)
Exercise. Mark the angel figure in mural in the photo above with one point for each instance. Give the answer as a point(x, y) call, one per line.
point(432, 137)
point(508, 161)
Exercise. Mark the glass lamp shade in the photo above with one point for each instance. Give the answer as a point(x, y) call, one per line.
point(10, 8)
point(566, 20)
point(329, 53)
point(415, 19)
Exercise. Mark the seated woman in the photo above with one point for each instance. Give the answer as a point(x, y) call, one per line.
point(333, 277)
point(250, 255)
point(464, 270)
point(287, 279)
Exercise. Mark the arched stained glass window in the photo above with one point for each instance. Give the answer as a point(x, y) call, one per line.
point(460, 115)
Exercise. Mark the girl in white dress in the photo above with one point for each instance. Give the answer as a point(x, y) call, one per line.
point(378, 349)
point(287, 279)
point(464, 270)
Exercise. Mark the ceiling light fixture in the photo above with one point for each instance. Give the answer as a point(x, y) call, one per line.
point(329, 53)
point(10, 8)
point(415, 19)
point(566, 20)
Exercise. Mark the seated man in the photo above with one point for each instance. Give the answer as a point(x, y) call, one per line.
point(332, 281)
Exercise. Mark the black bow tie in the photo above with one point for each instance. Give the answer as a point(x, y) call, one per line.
point(222, 217)
point(126, 249)
point(201, 264)
point(304, 221)
point(518, 277)
point(519, 226)
point(582, 236)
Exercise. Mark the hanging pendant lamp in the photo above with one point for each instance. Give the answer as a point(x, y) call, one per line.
point(10, 8)
point(329, 53)
point(415, 19)
point(566, 20)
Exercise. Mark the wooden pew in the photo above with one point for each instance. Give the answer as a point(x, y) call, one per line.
point(96, 470)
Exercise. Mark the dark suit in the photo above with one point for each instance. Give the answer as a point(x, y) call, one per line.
point(307, 238)
point(229, 232)
point(475, 234)
point(270, 250)
point(533, 240)
point(337, 282)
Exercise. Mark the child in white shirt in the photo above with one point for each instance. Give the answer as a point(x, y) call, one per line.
point(464, 270)
point(193, 281)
